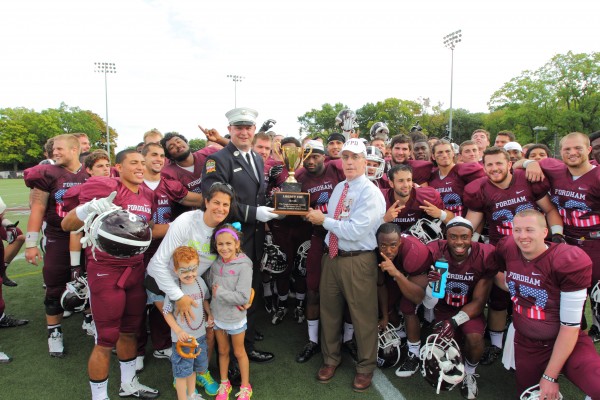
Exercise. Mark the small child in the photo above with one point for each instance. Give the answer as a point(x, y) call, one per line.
point(185, 261)
point(231, 279)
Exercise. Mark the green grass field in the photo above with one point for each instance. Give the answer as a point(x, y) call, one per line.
point(33, 374)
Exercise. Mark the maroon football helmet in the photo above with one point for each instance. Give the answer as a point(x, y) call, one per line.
point(76, 295)
point(442, 363)
point(119, 233)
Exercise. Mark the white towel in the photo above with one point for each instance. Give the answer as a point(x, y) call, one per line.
point(508, 355)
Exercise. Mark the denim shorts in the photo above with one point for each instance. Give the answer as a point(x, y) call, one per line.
point(184, 367)
point(232, 331)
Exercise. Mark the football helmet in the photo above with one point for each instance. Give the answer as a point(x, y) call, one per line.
point(374, 154)
point(300, 259)
point(273, 260)
point(379, 130)
point(426, 230)
point(76, 295)
point(441, 363)
point(389, 350)
point(346, 119)
point(118, 232)
point(595, 297)
point(533, 393)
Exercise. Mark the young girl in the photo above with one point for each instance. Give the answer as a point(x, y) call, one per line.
point(231, 279)
point(185, 261)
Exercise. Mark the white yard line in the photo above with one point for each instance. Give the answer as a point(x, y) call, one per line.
point(383, 385)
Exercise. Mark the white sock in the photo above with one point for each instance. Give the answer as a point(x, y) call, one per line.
point(284, 297)
point(414, 347)
point(428, 314)
point(313, 330)
point(99, 390)
point(267, 289)
point(300, 296)
point(348, 331)
point(470, 368)
point(496, 338)
point(127, 370)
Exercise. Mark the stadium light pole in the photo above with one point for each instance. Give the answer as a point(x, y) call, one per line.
point(450, 41)
point(236, 79)
point(537, 129)
point(106, 68)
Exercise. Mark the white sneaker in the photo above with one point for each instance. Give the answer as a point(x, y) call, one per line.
point(4, 358)
point(164, 353)
point(139, 363)
point(196, 396)
point(55, 345)
point(67, 314)
point(89, 328)
point(136, 389)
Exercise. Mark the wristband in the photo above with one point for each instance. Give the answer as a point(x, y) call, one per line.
point(31, 240)
point(75, 258)
point(527, 162)
point(443, 215)
point(460, 318)
point(556, 229)
point(550, 379)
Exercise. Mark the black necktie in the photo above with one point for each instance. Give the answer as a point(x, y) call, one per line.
point(251, 165)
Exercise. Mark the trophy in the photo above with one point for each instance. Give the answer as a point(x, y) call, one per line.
point(290, 200)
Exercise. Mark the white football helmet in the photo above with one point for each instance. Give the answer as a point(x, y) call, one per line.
point(273, 260)
point(441, 363)
point(379, 130)
point(346, 119)
point(374, 154)
point(389, 349)
point(533, 393)
point(300, 259)
point(426, 230)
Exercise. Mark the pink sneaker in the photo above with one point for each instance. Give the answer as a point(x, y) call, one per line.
point(245, 393)
point(224, 390)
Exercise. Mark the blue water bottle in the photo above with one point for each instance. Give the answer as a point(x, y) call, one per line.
point(438, 289)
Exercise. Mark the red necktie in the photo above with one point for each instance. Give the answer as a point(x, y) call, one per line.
point(333, 239)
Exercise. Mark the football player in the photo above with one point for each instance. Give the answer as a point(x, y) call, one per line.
point(376, 167)
point(481, 137)
point(450, 179)
point(468, 152)
point(422, 151)
point(318, 178)
point(472, 267)
point(335, 141)
point(48, 184)
point(495, 199)
point(404, 200)
point(503, 137)
point(576, 193)
point(595, 143)
point(15, 240)
point(402, 152)
point(405, 261)
point(548, 283)
point(117, 284)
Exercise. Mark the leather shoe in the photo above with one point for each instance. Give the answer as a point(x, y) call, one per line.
point(258, 336)
point(307, 352)
point(258, 356)
point(362, 381)
point(326, 372)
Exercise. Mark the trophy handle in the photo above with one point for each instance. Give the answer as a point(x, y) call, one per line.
point(277, 150)
point(308, 146)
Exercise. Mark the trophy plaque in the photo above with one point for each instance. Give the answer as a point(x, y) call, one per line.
point(291, 200)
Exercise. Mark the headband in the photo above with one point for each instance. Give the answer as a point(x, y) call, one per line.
point(233, 233)
point(459, 221)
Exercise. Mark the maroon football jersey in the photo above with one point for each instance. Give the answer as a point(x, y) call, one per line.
point(413, 257)
point(141, 204)
point(535, 285)
point(499, 206)
point(451, 187)
point(411, 212)
point(191, 180)
point(56, 181)
point(421, 170)
point(577, 201)
point(462, 278)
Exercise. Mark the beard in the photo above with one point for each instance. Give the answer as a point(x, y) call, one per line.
point(183, 156)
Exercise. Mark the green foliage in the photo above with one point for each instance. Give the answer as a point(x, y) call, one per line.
point(197, 144)
point(25, 129)
point(399, 115)
point(321, 122)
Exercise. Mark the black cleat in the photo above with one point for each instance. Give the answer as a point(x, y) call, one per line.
point(10, 322)
point(8, 282)
point(307, 352)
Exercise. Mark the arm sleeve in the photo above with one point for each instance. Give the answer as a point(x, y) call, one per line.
point(571, 307)
point(472, 195)
point(176, 189)
point(159, 266)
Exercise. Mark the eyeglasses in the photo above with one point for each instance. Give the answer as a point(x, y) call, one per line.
point(227, 185)
point(187, 270)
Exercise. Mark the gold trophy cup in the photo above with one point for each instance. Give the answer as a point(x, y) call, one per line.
point(291, 200)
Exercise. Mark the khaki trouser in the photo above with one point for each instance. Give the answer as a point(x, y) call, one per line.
point(351, 280)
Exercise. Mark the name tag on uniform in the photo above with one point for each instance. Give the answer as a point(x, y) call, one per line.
point(237, 170)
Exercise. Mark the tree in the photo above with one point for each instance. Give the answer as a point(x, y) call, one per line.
point(196, 144)
point(399, 115)
point(321, 122)
point(563, 95)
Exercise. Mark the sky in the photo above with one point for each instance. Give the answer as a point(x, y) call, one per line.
point(173, 56)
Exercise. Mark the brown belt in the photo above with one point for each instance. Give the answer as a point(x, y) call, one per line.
point(343, 253)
